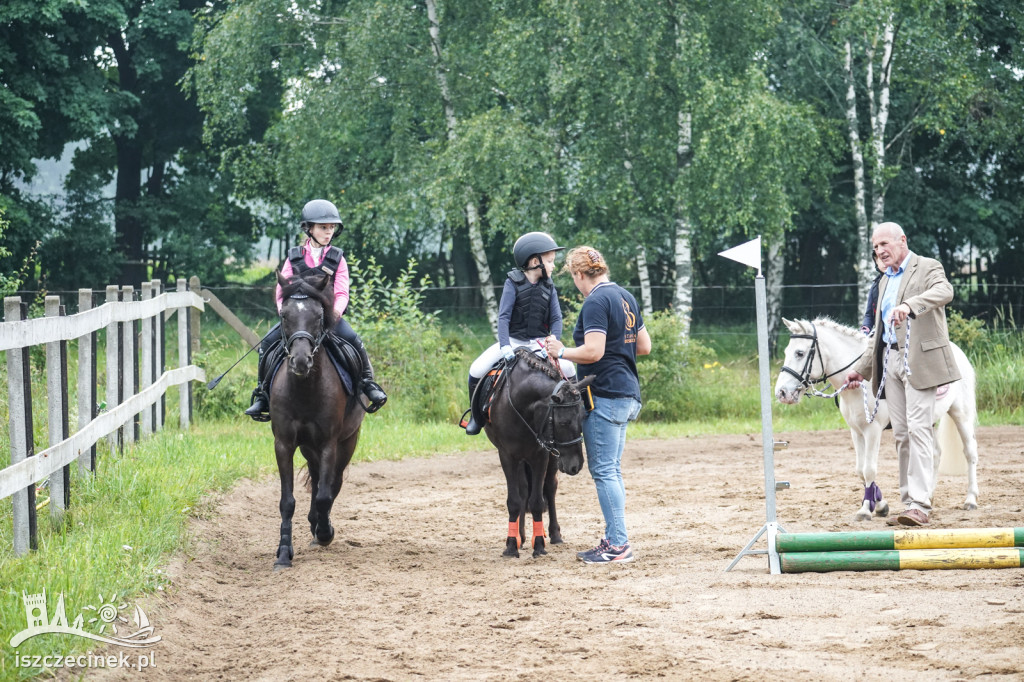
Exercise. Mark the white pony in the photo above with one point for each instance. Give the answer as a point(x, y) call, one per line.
point(824, 350)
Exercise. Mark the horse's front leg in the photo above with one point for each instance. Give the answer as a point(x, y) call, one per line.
point(313, 468)
point(324, 493)
point(550, 488)
point(538, 487)
point(514, 501)
point(285, 553)
point(867, 444)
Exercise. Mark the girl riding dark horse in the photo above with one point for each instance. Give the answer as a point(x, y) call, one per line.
point(310, 409)
point(536, 419)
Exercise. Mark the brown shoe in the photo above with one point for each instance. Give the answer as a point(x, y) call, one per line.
point(893, 520)
point(913, 517)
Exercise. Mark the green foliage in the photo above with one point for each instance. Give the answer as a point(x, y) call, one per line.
point(413, 361)
point(669, 376)
point(970, 334)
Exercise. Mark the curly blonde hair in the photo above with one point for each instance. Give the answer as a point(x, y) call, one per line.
point(585, 260)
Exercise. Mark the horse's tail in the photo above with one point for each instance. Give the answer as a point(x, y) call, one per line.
point(953, 462)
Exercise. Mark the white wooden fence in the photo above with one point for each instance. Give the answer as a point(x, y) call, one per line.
point(136, 382)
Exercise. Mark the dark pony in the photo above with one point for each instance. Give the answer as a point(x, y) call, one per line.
point(310, 410)
point(536, 422)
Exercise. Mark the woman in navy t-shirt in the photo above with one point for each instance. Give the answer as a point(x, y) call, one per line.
point(609, 334)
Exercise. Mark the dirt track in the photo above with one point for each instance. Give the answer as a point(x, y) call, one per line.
point(415, 587)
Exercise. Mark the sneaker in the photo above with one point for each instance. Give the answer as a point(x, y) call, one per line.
point(611, 554)
point(601, 546)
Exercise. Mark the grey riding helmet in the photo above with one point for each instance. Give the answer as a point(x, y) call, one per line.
point(532, 244)
point(320, 211)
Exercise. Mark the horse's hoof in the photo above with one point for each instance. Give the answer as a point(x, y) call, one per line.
point(970, 506)
point(284, 557)
point(861, 516)
point(882, 509)
point(555, 539)
point(513, 553)
point(281, 567)
point(540, 551)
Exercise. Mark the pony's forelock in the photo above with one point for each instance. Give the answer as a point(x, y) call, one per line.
point(325, 296)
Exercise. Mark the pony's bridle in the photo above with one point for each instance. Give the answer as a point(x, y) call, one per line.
point(550, 445)
point(804, 376)
point(303, 334)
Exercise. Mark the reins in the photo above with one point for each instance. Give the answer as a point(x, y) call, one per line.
point(549, 445)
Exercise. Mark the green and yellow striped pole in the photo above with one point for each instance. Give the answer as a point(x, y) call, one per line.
point(895, 550)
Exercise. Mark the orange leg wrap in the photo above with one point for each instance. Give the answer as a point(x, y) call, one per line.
point(513, 531)
point(538, 529)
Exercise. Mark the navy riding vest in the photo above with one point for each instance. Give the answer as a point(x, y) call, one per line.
point(531, 313)
point(328, 266)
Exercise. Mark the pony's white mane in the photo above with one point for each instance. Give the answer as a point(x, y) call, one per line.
point(829, 323)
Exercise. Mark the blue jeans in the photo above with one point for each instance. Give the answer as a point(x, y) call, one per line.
point(604, 433)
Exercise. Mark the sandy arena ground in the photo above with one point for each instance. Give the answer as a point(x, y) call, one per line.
point(415, 587)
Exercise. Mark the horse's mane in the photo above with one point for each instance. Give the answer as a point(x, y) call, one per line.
point(304, 287)
point(534, 362)
point(828, 322)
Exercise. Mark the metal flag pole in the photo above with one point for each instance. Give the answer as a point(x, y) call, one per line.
point(750, 254)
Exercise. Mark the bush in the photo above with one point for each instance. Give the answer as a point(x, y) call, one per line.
point(669, 376)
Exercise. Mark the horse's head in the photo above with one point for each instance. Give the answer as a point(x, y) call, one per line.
point(798, 364)
point(306, 315)
point(817, 352)
point(567, 414)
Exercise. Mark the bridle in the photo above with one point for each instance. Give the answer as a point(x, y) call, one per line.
point(317, 340)
point(551, 445)
point(804, 376)
point(807, 382)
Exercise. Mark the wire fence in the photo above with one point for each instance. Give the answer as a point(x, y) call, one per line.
point(717, 310)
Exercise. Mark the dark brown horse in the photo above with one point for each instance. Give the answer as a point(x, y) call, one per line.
point(536, 422)
point(310, 410)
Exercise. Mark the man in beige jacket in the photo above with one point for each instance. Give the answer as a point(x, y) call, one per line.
point(914, 287)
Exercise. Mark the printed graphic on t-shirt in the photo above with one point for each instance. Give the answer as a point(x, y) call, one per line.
point(630, 331)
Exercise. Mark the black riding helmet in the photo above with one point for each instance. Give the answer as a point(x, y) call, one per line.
point(533, 244)
point(320, 211)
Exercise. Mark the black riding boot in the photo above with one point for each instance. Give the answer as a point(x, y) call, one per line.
point(370, 388)
point(260, 408)
point(472, 428)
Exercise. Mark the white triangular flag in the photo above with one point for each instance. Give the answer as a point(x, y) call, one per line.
point(748, 253)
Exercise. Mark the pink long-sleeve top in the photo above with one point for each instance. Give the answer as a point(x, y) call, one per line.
point(340, 278)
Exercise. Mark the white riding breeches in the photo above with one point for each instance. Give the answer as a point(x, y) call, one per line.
point(483, 364)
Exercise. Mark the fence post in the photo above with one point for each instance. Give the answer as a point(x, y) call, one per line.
point(129, 432)
point(159, 360)
point(185, 399)
point(55, 381)
point(19, 444)
point(146, 356)
point(113, 366)
point(86, 382)
point(194, 313)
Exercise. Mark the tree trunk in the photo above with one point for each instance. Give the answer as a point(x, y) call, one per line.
point(682, 299)
point(476, 239)
point(865, 267)
point(645, 280)
point(879, 120)
point(774, 278)
point(128, 226)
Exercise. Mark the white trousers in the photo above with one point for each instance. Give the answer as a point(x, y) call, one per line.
point(483, 364)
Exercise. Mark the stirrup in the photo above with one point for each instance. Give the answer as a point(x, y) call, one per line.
point(368, 386)
point(260, 408)
point(470, 425)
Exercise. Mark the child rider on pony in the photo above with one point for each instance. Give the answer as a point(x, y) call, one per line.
point(528, 310)
point(320, 219)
